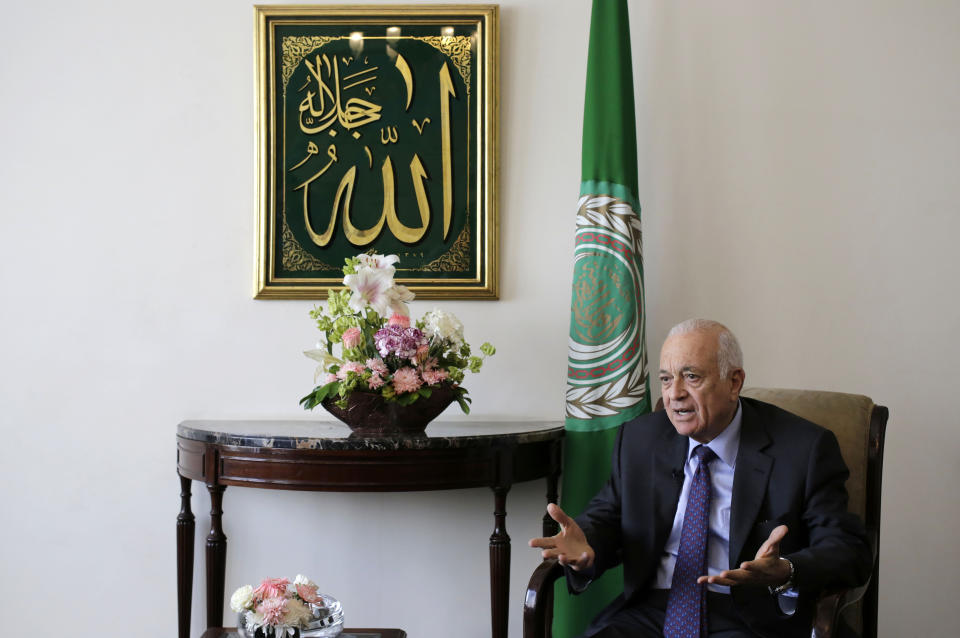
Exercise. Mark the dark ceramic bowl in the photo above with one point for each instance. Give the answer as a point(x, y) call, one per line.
point(370, 413)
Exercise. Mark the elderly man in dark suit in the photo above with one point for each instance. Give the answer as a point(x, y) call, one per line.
point(728, 514)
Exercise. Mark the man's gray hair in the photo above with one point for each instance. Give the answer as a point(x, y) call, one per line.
point(729, 354)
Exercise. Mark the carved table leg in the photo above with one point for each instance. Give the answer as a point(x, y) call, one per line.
point(550, 526)
point(499, 565)
point(185, 532)
point(216, 558)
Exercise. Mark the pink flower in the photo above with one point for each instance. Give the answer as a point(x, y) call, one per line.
point(308, 593)
point(377, 366)
point(406, 380)
point(433, 376)
point(396, 319)
point(271, 588)
point(375, 381)
point(422, 351)
point(272, 609)
point(330, 378)
point(352, 337)
point(350, 366)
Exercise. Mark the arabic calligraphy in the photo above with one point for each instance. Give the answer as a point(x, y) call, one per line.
point(337, 95)
point(353, 113)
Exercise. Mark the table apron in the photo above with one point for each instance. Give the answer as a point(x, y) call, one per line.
point(365, 470)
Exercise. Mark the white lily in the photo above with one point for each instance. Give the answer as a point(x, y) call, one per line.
point(379, 262)
point(325, 358)
point(321, 355)
point(370, 288)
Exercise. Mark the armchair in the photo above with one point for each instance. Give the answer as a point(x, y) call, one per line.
point(859, 426)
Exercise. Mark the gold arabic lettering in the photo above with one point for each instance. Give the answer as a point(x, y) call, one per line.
point(325, 105)
point(351, 114)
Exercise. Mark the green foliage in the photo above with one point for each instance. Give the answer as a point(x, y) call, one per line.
point(463, 400)
point(455, 374)
point(350, 265)
point(411, 397)
point(475, 364)
point(338, 303)
point(488, 349)
point(324, 323)
point(320, 393)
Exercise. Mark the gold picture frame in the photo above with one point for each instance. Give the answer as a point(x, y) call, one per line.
point(377, 130)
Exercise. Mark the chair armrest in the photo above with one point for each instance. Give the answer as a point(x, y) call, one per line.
point(832, 602)
point(538, 600)
point(830, 605)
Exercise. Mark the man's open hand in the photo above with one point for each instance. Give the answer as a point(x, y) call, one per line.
point(570, 546)
point(765, 569)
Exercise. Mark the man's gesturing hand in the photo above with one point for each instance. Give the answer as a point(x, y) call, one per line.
point(765, 569)
point(570, 546)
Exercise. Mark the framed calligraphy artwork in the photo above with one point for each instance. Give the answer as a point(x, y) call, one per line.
point(377, 131)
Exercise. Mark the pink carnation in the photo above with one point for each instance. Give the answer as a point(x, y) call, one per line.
point(352, 337)
point(271, 588)
point(396, 319)
point(272, 609)
point(350, 366)
point(433, 376)
point(406, 380)
point(330, 378)
point(308, 593)
point(377, 366)
point(375, 381)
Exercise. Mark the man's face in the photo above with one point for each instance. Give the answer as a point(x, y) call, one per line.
point(699, 403)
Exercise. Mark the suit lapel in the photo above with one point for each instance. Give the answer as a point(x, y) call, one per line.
point(749, 481)
point(669, 457)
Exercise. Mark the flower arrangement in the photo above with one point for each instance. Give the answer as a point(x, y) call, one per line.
point(278, 605)
point(380, 350)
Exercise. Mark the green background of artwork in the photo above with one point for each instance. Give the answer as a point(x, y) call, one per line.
point(425, 62)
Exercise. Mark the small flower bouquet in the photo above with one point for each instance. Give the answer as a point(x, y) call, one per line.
point(280, 608)
point(370, 346)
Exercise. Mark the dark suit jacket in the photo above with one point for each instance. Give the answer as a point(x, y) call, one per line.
point(788, 471)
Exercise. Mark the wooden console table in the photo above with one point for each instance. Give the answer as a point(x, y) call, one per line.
point(321, 456)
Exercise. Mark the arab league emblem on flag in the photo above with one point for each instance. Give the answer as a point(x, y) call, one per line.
point(606, 375)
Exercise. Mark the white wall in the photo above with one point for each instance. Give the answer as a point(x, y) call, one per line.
point(798, 170)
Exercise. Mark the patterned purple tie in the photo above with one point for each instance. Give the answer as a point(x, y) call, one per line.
point(686, 615)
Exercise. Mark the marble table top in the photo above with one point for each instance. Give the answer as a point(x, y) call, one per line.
point(326, 435)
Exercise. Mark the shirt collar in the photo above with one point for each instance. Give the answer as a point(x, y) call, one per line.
point(726, 444)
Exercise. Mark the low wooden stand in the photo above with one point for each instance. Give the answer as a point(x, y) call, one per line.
point(231, 632)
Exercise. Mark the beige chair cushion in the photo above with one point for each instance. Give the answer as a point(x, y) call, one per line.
point(847, 415)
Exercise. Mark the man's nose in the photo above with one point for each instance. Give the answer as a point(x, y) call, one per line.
point(677, 390)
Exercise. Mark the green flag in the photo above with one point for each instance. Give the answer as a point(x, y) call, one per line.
point(607, 365)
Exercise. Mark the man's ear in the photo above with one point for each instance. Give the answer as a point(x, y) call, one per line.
point(737, 377)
